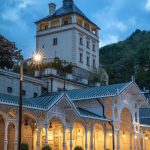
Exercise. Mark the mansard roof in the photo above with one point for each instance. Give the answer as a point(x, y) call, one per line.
point(63, 11)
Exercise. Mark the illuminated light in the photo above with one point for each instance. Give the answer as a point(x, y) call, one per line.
point(146, 137)
point(110, 134)
point(79, 133)
point(43, 130)
point(37, 57)
point(123, 135)
point(135, 137)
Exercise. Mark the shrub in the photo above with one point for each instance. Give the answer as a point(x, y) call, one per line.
point(78, 148)
point(47, 147)
point(24, 146)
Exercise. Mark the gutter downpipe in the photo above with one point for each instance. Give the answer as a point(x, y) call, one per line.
point(110, 122)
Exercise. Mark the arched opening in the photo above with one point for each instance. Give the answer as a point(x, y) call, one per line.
point(55, 134)
point(126, 130)
point(98, 137)
point(2, 131)
point(78, 134)
point(11, 137)
point(29, 132)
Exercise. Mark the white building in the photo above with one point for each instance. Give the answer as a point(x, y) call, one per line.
point(68, 34)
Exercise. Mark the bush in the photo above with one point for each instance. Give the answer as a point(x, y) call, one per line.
point(78, 148)
point(24, 146)
point(47, 147)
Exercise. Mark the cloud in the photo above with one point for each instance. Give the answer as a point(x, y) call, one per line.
point(16, 10)
point(147, 6)
point(109, 39)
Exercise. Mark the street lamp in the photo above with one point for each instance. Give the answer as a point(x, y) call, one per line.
point(36, 58)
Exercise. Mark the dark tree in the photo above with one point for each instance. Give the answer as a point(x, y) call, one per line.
point(9, 54)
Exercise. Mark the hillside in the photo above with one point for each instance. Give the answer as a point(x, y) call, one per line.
point(128, 58)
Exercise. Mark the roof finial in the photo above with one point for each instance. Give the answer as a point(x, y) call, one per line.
point(133, 79)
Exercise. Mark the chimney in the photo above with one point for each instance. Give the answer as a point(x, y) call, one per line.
point(52, 8)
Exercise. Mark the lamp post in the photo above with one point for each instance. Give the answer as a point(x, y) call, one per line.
point(36, 58)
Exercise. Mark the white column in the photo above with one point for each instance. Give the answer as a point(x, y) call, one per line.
point(60, 22)
point(64, 138)
point(38, 138)
point(74, 19)
point(134, 142)
point(6, 136)
point(70, 138)
point(49, 24)
point(91, 139)
point(86, 139)
point(46, 134)
point(119, 139)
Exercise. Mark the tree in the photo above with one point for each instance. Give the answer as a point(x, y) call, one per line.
point(9, 54)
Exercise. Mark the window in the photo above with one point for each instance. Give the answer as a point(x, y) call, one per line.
point(88, 44)
point(9, 89)
point(46, 27)
point(43, 46)
point(81, 40)
point(35, 94)
point(93, 47)
point(23, 92)
point(81, 57)
point(55, 41)
point(94, 65)
point(88, 60)
point(66, 22)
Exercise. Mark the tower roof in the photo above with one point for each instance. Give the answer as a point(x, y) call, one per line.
point(68, 8)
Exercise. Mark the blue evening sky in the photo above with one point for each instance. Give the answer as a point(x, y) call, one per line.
point(116, 18)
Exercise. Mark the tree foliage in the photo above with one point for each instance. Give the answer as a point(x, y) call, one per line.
point(128, 58)
point(9, 54)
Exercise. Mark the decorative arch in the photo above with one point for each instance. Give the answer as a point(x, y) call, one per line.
point(78, 134)
point(10, 136)
point(126, 128)
point(29, 129)
point(98, 133)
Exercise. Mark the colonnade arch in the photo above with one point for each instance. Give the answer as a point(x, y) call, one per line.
point(29, 130)
point(11, 136)
point(78, 134)
point(98, 136)
point(126, 129)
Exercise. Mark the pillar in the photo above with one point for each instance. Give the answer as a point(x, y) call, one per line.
point(86, 139)
point(6, 136)
point(38, 138)
point(46, 134)
point(70, 138)
point(64, 138)
point(74, 19)
point(91, 139)
point(118, 139)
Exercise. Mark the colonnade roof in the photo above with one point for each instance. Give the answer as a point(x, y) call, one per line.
point(45, 101)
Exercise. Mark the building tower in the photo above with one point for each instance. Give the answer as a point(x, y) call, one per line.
point(68, 34)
